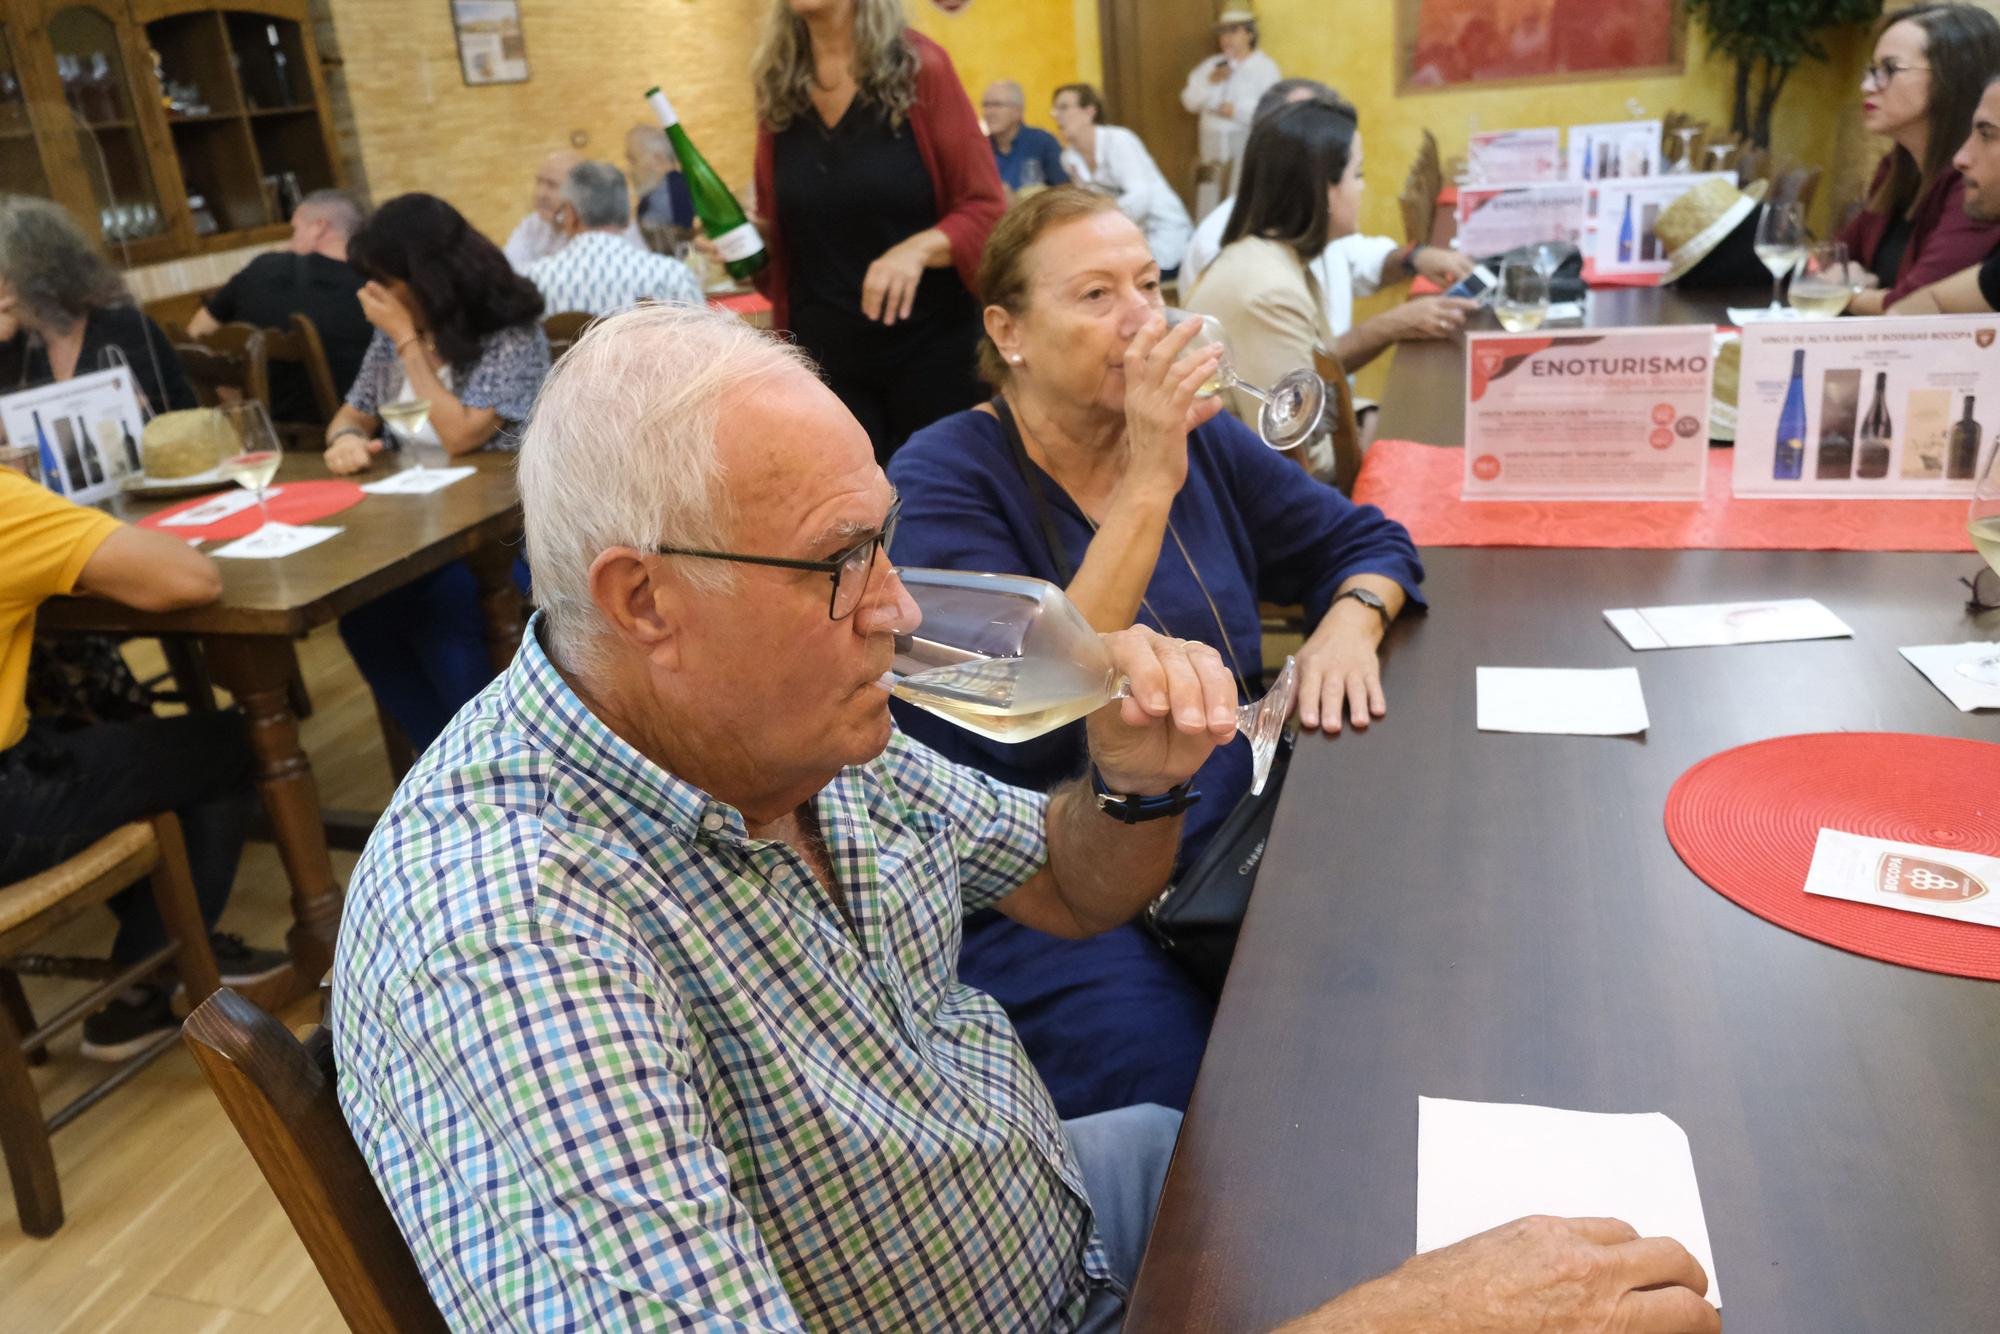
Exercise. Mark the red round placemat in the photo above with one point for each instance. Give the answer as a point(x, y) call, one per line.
point(1745, 821)
point(290, 502)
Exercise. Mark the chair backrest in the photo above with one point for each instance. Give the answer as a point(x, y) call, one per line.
point(1341, 420)
point(298, 345)
point(218, 376)
point(564, 327)
point(279, 1093)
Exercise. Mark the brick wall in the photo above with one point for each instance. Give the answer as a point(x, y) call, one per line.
point(417, 126)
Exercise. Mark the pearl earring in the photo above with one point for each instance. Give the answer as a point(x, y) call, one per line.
point(1016, 358)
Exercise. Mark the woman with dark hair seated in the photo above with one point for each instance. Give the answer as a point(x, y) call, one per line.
point(458, 328)
point(1167, 514)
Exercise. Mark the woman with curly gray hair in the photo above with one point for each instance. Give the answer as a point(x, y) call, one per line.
point(62, 305)
point(878, 190)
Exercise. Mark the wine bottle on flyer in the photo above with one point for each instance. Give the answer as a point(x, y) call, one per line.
point(1962, 457)
point(1788, 461)
point(1871, 459)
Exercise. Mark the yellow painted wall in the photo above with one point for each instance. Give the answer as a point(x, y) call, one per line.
point(1033, 42)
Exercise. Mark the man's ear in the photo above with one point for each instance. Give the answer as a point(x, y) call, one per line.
point(640, 603)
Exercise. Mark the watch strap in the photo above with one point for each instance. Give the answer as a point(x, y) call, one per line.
point(1138, 810)
point(1371, 601)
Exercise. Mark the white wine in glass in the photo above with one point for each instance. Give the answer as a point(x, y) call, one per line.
point(1982, 524)
point(1012, 658)
point(1825, 281)
point(408, 417)
point(1292, 409)
point(256, 461)
point(1521, 300)
point(1780, 244)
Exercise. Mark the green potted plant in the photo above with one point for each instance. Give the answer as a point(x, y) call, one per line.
point(1768, 39)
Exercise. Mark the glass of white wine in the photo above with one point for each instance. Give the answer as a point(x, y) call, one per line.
point(408, 417)
point(257, 457)
point(1781, 244)
point(1521, 300)
point(1012, 658)
point(1292, 408)
point(1982, 523)
point(1825, 281)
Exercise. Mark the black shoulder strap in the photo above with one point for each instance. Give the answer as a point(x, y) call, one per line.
point(1059, 553)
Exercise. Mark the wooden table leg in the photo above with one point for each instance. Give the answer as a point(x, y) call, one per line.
point(499, 601)
point(258, 671)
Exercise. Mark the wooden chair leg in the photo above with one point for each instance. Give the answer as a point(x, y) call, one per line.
point(173, 891)
point(14, 1001)
point(24, 1138)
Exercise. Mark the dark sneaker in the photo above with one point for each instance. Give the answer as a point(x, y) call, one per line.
point(125, 1028)
point(242, 965)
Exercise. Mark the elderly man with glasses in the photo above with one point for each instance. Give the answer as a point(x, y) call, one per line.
point(644, 1003)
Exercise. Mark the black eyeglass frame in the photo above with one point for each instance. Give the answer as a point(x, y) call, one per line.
point(1985, 590)
point(877, 541)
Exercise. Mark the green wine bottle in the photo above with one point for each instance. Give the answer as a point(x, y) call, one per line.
point(721, 216)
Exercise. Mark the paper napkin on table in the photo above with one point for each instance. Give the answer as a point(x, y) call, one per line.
point(418, 481)
point(217, 508)
point(1561, 701)
point(1910, 877)
point(274, 540)
point(1704, 625)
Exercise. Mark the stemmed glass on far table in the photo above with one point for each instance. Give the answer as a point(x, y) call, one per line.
point(1781, 244)
point(1292, 409)
point(1827, 279)
point(407, 418)
point(256, 459)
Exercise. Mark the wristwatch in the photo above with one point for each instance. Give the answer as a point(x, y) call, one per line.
point(1370, 600)
point(1138, 810)
point(1410, 260)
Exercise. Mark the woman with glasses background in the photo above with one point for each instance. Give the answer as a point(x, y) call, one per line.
point(1930, 65)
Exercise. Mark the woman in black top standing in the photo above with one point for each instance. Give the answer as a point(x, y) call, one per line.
point(877, 191)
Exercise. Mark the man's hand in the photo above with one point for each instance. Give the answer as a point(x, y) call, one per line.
point(1532, 1276)
point(1441, 266)
point(1219, 73)
point(1182, 705)
point(1428, 317)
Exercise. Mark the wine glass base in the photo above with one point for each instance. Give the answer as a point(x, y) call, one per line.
point(1985, 671)
point(1263, 723)
point(1293, 410)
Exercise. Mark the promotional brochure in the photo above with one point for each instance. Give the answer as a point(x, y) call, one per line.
point(1619, 149)
point(1516, 156)
point(1623, 239)
point(1495, 219)
point(87, 430)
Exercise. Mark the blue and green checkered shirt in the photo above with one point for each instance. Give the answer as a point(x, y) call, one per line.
point(616, 1064)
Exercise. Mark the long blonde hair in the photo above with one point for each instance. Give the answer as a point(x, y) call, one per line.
point(885, 64)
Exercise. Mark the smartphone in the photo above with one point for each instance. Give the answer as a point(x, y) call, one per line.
point(1476, 284)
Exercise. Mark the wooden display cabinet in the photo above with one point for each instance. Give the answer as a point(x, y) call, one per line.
point(128, 110)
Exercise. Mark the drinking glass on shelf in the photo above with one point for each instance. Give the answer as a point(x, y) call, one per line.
point(1826, 281)
point(407, 418)
point(1012, 658)
point(256, 459)
point(1781, 244)
point(1982, 524)
point(1293, 408)
point(1521, 301)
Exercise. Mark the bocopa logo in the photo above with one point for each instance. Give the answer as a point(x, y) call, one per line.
point(1922, 878)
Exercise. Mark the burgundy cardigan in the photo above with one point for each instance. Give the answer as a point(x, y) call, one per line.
point(1943, 240)
point(963, 177)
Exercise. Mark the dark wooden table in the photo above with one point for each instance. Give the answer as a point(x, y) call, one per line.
point(1424, 398)
point(247, 636)
point(1474, 915)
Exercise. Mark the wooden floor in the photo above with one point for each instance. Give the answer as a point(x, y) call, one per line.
point(170, 1227)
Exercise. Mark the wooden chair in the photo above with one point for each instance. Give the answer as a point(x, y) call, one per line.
point(30, 909)
point(280, 1095)
point(564, 328)
point(299, 346)
point(218, 370)
point(1341, 421)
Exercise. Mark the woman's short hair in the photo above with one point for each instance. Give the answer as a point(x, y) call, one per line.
point(1004, 272)
point(885, 64)
point(56, 274)
point(463, 283)
point(1086, 97)
point(1962, 44)
point(1293, 155)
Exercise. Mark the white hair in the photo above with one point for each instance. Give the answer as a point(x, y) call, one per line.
point(620, 452)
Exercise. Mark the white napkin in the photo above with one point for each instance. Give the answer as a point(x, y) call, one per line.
point(1702, 625)
point(217, 508)
point(272, 541)
point(418, 481)
point(1940, 662)
point(1561, 701)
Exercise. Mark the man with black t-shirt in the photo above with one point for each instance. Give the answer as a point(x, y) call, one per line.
point(311, 277)
point(1973, 291)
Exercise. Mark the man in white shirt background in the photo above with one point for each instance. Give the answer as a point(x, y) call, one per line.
point(537, 236)
point(1223, 90)
point(598, 272)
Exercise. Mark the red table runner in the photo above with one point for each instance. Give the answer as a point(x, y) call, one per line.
point(1418, 485)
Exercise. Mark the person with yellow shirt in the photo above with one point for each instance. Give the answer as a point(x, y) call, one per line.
point(61, 790)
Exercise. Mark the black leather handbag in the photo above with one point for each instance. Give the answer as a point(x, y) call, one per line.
point(1197, 917)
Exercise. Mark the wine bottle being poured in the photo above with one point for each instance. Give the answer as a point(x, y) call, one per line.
point(721, 216)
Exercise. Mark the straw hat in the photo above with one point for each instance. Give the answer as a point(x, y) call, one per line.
point(1700, 222)
point(1236, 16)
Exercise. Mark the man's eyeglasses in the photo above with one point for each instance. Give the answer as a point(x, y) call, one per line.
point(850, 570)
point(1882, 72)
point(1985, 588)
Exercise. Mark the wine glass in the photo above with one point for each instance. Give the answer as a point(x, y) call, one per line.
point(1982, 524)
point(1292, 409)
point(407, 418)
point(1685, 167)
point(1781, 244)
point(1825, 282)
point(257, 457)
point(1012, 658)
point(1521, 302)
point(1548, 258)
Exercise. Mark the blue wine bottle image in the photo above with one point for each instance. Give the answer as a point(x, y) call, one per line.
point(1788, 462)
point(1625, 234)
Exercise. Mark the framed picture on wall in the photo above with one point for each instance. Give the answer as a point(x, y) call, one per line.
point(1454, 43)
point(491, 48)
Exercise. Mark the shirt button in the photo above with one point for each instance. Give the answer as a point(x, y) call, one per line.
point(712, 821)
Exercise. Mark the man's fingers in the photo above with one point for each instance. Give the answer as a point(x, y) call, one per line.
point(1603, 1231)
point(1668, 1311)
point(1652, 1262)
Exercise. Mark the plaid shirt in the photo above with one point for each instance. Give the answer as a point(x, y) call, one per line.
point(601, 274)
point(616, 1064)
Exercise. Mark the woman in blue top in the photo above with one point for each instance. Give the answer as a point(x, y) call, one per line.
point(1166, 513)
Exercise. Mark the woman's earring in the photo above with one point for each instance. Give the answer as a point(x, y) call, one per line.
point(1016, 358)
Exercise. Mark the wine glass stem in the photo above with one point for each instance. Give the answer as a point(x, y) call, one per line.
point(264, 514)
point(1777, 290)
point(1249, 389)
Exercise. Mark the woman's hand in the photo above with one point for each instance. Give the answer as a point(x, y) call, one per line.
point(889, 288)
point(1339, 667)
point(1441, 266)
point(350, 453)
point(386, 313)
point(1161, 378)
point(1428, 317)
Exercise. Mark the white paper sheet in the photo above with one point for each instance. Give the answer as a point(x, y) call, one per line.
point(1705, 625)
point(272, 541)
point(1940, 662)
point(1561, 701)
point(1481, 1164)
point(1911, 877)
point(217, 508)
point(418, 481)
point(1742, 315)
